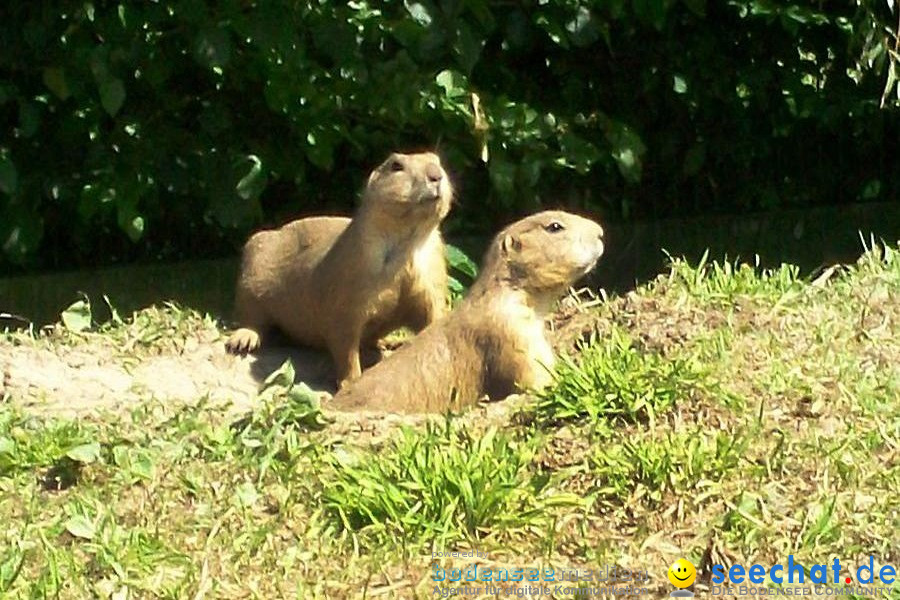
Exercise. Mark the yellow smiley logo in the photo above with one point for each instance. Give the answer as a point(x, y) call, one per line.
point(682, 573)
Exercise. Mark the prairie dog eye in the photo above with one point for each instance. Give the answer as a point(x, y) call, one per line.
point(554, 227)
point(396, 166)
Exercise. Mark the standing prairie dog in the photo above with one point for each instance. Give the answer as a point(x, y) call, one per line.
point(495, 342)
point(337, 283)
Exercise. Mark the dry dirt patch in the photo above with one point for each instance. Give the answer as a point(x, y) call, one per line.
point(90, 373)
point(175, 356)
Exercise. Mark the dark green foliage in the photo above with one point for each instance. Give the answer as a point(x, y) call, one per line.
point(171, 128)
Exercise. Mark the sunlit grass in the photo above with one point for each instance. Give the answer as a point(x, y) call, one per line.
point(611, 378)
point(721, 411)
point(441, 485)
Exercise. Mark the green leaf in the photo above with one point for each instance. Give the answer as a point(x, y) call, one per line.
point(81, 527)
point(135, 228)
point(577, 152)
point(112, 95)
point(246, 494)
point(456, 287)
point(142, 467)
point(92, 199)
point(518, 32)
point(582, 28)
point(627, 150)
point(129, 219)
point(694, 159)
point(114, 314)
point(871, 190)
point(283, 376)
point(7, 446)
point(99, 63)
point(251, 185)
point(320, 151)
point(85, 453)
point(458, 260)
point(338, 41)
point(651, 12)
point(21, 230)
point(232, 212)
point(453, 82)
point(503, 177)
point(29, 119)
point(530, 173)
point(279, 96)
point(55, 80)
point(216, 119)
point(468, 46)
point(698, 7)
point(421, 12)
point(78, 316)
point(212, 48)
point(482, 11)
point(554, 29)
point(9, 177)
point(302, 394)
point(133, 461)
point(11, 567)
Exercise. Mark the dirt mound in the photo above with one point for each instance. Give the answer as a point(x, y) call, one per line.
point(68, 375)
point(177, 356)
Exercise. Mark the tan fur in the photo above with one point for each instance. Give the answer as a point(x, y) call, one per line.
point(495, 342)
point(337, 283)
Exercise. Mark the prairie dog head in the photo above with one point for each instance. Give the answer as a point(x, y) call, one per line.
point(544, 253)
point(410, 186)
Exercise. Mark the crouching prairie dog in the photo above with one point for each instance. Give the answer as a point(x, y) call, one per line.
point(338, 283)
point(495, 342)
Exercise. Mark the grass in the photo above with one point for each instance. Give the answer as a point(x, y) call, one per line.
point(612, 380)
point(646, 471)
point(722, 412)
point(440, 486)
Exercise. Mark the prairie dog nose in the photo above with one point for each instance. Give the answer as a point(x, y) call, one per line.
point(434, 173)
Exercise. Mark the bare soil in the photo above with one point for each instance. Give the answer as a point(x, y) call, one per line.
point(74, 375)
point(88, 374)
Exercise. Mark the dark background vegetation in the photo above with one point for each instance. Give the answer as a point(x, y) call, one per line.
point(161, 130)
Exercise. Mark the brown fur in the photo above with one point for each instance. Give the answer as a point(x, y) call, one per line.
point(495, 342)
point(337, 283)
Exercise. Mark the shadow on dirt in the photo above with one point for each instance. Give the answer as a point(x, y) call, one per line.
point(312, 367)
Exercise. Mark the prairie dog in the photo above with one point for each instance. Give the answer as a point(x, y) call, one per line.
point(495, 342)
point(339, 283)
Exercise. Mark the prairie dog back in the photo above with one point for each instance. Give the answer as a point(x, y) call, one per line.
point(339, 283)
point(495, 343)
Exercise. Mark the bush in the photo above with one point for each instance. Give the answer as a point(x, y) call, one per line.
point(172, 128)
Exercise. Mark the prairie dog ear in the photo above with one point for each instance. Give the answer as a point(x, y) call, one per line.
point(509, 244)
point(373, 176)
